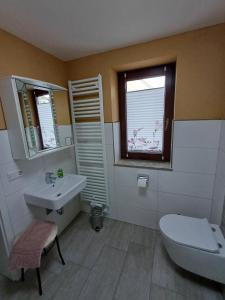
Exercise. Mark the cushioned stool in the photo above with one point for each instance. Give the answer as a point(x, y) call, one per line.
point(39, 238)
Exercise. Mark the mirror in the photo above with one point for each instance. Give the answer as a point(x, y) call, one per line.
point(46, 117)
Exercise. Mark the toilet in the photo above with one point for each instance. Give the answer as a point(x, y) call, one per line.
point(195, 245)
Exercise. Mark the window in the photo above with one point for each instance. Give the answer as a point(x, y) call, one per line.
point(146, 98)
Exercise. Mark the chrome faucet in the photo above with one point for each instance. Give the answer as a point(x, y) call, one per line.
point(50, 178)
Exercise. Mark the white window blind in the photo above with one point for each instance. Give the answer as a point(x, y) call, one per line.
point(145, 116)
point(46, 122)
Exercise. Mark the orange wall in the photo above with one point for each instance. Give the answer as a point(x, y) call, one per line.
point(62, 107)
point(200, 82)
point(20, 58)
point(200, 56)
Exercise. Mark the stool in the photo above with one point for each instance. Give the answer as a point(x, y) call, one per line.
point(51, 240)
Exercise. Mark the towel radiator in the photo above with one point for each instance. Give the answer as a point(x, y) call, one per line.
point(86, 100)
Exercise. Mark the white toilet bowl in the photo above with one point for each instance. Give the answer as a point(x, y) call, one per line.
point(195, 245)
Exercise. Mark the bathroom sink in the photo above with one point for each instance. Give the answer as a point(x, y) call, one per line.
point(55, 196)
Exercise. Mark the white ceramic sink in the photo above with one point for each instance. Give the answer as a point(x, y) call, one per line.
point(55, 196)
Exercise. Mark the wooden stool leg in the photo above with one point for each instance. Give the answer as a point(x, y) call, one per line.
point(22, 274)
point(39, 281)
point(59, 251)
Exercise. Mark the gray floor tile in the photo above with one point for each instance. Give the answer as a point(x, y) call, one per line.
point(67, 284)
point(104, 276)
point(120, 235)
point(166, 274)
point(135, 279)
point(70, 282)
point(159, 293)
point(143, 236)
point(86, 244)
point(78, 247)
point(116, 262)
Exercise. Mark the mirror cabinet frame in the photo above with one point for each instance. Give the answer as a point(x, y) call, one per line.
point(14, 119)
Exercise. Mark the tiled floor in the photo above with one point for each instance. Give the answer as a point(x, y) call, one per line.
point(122, 262)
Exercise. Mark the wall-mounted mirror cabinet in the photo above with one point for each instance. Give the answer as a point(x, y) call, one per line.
point(37, 116)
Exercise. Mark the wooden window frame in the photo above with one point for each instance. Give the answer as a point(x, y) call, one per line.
point(168, 70)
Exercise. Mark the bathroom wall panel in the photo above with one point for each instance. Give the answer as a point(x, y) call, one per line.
point(218, 200)
point(222, 137)
point(181, 204)
point(109, 154)
point(127, 176)
point(5, 150)
point(220, 170)
point(136, 215)
point(219, 186)
point(5, 219)
point(108, 134)
point(140, 198)
point(20, 58)
point(19, 213)
point(186, 183)
point(186, 189)
point(198, 160)
point(199, 54)
point(197, 134)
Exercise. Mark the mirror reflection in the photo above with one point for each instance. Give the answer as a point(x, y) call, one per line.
point(46, 117)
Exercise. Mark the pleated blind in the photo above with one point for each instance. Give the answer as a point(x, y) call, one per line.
point(145, 115)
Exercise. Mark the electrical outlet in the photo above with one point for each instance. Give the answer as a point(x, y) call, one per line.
point(14, 175)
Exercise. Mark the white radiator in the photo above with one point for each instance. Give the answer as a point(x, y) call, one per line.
point(88, 126)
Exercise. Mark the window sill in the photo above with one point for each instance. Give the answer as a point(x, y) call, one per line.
point(144, 164)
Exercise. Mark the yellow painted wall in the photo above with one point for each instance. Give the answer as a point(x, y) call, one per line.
point(62, 107)
point(20, 58)
point(200, 56)
point(200, 80)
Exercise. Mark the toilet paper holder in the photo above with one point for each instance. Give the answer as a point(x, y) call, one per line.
point(143, 176)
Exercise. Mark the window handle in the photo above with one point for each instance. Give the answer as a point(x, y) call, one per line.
point(166, 124)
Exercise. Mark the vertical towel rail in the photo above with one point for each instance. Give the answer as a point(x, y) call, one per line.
point(86, 100)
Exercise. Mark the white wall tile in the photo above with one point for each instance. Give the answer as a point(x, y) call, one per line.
point(188, 189)
point(205, 134)
point(221, 164)
point(17, 215)
point(5, 150)
point(218, 200)
point(126, 176)
point(21, 225)
point(195, 160)
point(108, 133)
point(138, 216)
point(5, 219)
point(110, 180)
point(10, 187)
point(192, 184)
point(109, 155)
point(222, 137)
point(138, 197)
point(185, 205)
point(116, 138)
point(61, 159)
point(17, 206)
point(219, 186)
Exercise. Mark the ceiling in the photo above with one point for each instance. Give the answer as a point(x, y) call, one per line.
point(70, 29)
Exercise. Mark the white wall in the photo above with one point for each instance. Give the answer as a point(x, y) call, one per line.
point(219, 188)
point(187, 189)
point(16, 214)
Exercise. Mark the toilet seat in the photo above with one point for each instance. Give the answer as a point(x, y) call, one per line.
point(188, 231)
